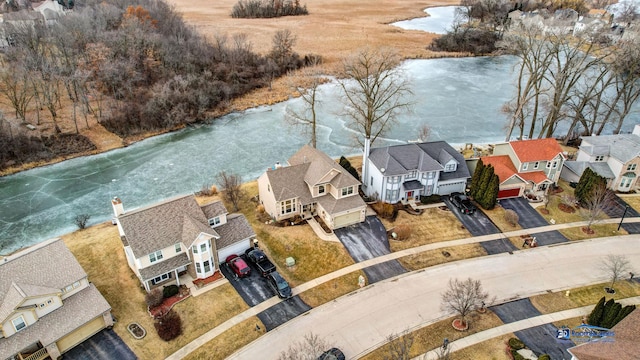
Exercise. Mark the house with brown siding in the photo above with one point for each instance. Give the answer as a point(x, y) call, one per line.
point(311, 185)
point(47, 304)
point(178, 236)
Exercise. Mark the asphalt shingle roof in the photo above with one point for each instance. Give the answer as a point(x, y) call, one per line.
point(601, 168)
point(536, 149)
point(623, 147)
point(236, 229)
point(624, 345)
point(164, 266)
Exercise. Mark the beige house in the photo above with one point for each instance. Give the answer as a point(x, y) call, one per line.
point(47, 305)
point(526, 166)
point(178, 236)
point(311, 185)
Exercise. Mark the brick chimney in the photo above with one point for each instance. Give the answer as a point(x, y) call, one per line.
point(118, 208)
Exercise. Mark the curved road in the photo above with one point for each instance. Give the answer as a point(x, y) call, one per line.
point(361, 321)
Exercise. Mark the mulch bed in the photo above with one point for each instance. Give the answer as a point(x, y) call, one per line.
point(202, 282)
point(459, 325)
point(166, 305)
point(587, 230)
point(566, 208)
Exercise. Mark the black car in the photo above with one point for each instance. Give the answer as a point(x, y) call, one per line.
point(332, 354)
point(279, 285)
point(462, 202)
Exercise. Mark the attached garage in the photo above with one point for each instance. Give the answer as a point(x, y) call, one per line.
point(346, 219)
point(237, 248)
point(81, 334)
point(508, 193)
point(446, 189)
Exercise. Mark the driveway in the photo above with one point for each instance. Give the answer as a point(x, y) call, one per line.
point(368, 240)
point(617, 209)
point(105, 345)
point(529, 218)
point(254, 289)
point(479, 224)
point(541, 339)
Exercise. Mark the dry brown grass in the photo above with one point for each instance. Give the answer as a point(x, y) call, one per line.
point(632, 200)
point(600, 230)
point(99, 251)
point(228, 342)
point(570, 323)
point(587, 295)
point(332, 289)
point(492, 349)
point(433, 225)
point(430, 337)
point(435, 257)
point(497, 217)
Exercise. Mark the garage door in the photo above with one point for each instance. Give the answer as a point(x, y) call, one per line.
point(446, 189)
point(502, 194)
point(89, 329)
point(237, 248)
point(346, 220)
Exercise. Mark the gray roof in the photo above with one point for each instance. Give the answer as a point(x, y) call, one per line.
point(601, 168)
point(165, 266)
point(45, 268)
point(320, 165)
point(236, 229)
point(288, 182)
point(623, 147)
point(334, 206)
point(76, 310)
point(213, 209)
point(161, 225)
point(429, 156)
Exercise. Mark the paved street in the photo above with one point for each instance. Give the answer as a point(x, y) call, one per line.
point(362, 320)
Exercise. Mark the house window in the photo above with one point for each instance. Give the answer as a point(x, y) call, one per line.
point(194, 248)
point(631, 167)
point(203, 248)
point(412, 174)
point(215, 221)
point(156, 256)
point(627, 180)
point(536, 164)
point(76, 284)
point(320, 189)
point(268, 188)
point(394, 179)
point(207, 266)
point(288, 206)
point(450, 168)
point(525, 166)
point(178, 248)
point(68, 288)
point(347, 191)
point(42, 305)
point(371, 181)
point(19, 323)
point(49, 302)
point(198, 268)
point(600, 158)
point(392, 195)
point(161, 278)
point(431, 174)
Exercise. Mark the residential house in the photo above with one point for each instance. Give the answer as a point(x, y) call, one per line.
point(178, 236)
point(403, 172)
point(526, 166)
point(614, 157)
point(311, 185)
point(47, 304)
point(624, 344)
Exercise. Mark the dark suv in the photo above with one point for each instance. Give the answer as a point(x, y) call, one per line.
point(462, 202)
point(279, 285)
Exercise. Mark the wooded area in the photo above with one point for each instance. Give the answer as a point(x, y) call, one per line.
point(135, 67)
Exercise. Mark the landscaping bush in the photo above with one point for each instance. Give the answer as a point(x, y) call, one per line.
point(544, 357)
point(511, 217)
point(169, 326)
point(431, 199)
point(154, 298)
point(385, 210)
point(170, 290)
point(346, 164)
point(403, 231)
point(516, 356)
point(516, 344)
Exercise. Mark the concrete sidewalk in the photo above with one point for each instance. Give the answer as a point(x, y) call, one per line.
point(519, 325)
point(211, 334)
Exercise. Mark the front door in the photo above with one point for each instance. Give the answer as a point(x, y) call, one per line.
point(409, 194)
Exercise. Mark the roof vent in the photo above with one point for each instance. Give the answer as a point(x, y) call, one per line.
point(382, 169)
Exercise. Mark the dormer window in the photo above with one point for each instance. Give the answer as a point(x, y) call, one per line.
point(525, 166)
point(178, 248)
point(321, 189)
point(450, 167)
point(412, 174)
point(156, 256)
point(536, 164)
point(215, 221)
point(18, 323)
point(347, 191)
point(600, 158)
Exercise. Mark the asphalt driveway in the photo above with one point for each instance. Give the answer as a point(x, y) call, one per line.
point(368, 240)
point(529, 218)
point(616, 210)
point(254, 289)
point(105, 345)
point(540, 339)
point(479, 224)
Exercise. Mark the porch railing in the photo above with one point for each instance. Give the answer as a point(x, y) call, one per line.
point(38, 355)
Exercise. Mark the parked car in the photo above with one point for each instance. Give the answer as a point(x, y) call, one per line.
point(332, 354)
point(238, 265)
point(279, 285)
point(462, 202)
point(262, 262)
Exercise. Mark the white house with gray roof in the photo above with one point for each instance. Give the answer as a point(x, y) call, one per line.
point(614, 157)
point(403, 172)
point(47, 304)
point(311, 185)
point(177, 236)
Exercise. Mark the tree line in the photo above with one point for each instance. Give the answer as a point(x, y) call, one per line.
point(136, 66)
point(268, 8)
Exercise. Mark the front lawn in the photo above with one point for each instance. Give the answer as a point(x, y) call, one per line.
point(587, 295)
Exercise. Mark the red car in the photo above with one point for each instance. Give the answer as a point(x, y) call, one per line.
point(238, 265)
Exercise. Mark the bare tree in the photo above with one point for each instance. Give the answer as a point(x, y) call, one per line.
point(14, 85)
point(463, 296)
point(375, 90)
point(615, 267)
point(307, 349)
point(596, 203)
point(308, 94)
point(282, 50)
point(81, 220)
point(231, 185)
point(399, 346)
point(424, 132)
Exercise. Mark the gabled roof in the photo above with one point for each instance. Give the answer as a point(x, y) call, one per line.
point(502, 166)
point(623, 147)
point(213, 209)
point(624, 345)
point(236, 229)
point(155, 227)
point(288, 182)
point(44, 268)
point(600, 167)
point(321, 165)
point(536, 150)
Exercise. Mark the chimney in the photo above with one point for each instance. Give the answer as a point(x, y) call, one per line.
point(278, 165)
point(118, 208)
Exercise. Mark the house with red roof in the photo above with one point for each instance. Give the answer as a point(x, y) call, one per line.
point(526, 166)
